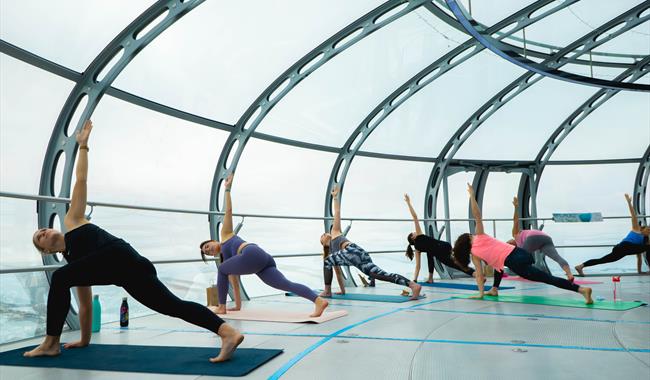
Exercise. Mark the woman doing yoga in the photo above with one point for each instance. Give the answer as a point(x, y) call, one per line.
point(482, 247)
point(96, 257)
point(433, 248)
point(240, 257)
point(339, 251)
point(636, 242)
point(536, 240)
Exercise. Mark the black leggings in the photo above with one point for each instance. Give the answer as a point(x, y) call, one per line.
point(445, 258)
point(119, 264)
point(521, 262)
point(618, 252)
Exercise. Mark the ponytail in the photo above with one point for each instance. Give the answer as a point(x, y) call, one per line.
point(409, 252)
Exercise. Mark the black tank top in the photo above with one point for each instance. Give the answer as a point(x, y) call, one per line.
point(85, 240)
point(424, 243)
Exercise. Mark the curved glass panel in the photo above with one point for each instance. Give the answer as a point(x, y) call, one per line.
point(330, 104)
point(386, 181)
point(69, 32)
point(524, 124)
point(619, 128)
point(497, 203)
point(488, 14)
point(425, 122)
point(217, 59)
point(25, 134)
point(277, 179)
point(131, 143)
point(588, 189)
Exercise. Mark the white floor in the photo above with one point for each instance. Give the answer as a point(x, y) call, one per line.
point(437, 337)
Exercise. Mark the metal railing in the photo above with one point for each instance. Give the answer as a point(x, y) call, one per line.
point(43, 268)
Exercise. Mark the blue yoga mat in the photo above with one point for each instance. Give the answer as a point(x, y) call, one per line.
point(461, 286)
point(365, 297)
point(149, 359)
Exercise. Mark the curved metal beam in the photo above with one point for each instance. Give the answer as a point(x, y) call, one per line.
point(339, 42)
point(640, 194)
point(92, 85)
point(443, 15)
point(550, 69)
point(426, 76)
point(632, 74)
point(515, 88)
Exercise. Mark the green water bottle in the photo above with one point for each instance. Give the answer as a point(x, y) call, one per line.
point(97, 314)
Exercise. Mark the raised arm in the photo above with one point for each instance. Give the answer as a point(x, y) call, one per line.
point(515, 218)
point(635, 221)
point(226, 225)
point(76, 214)
point(476, 211)
point(336, 205)
point(418, 230)
point(85, 295)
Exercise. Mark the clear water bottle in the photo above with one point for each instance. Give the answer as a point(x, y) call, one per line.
point(124, 313)
point(97, 314)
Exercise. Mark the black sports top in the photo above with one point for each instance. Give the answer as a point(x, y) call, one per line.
point(86, 239)
point(424, 243)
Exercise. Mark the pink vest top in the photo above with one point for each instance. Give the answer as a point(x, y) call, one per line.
point(491, 250)
point(524, 234)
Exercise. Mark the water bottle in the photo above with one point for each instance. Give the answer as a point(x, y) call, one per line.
point(124, 313)
point(616, 280)
point(97, 314)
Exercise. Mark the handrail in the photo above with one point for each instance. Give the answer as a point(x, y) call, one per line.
point(5, 194)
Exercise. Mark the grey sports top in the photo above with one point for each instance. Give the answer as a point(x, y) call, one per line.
point(336, 243)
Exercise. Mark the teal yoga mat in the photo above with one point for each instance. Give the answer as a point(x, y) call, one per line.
point(451, 285)
point(564, 302)
point(365, 297)
point(149, 359)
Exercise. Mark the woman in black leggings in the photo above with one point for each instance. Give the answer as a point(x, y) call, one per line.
point(433, 248)
point(96, 257)
point(635, 243)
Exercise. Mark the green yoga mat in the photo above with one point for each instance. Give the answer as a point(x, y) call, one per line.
point(564, 302)
point(149, 359)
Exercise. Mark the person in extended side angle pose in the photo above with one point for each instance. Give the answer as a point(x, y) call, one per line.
point(432, 247)
point(636, 242)
point(96, 257)
point(339, 251)
point(240, 257)
point(482, 247)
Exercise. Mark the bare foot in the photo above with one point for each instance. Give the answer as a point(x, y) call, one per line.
point(221, 309)
point(320, 306)
point(325, 293)
point(579, 270)
point(44, 350)
point(493, 292)
point(417, 288)
point(230, 339)
point(586, 292)
point(429, 281)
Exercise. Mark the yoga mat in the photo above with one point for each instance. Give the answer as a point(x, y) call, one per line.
point(564, 302)
point(365, 297)
point(149, 359)
point(461, 286)
point(270, 315)
point(576, 281)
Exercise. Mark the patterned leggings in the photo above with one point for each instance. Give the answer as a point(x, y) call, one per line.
point(355, 256)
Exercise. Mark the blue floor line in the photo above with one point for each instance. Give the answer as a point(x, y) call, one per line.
point(534, 316)
point(418, 340)
point(282, 370)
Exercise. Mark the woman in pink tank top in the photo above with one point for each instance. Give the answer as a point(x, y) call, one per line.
point(482, 247)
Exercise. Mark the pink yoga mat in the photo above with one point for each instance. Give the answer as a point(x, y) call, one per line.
point(272, 315)
point(576, 281)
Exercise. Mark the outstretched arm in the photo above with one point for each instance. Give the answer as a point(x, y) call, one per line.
point(85, 295)
point(75, 215)
point(418, 260)
point(515, 218)
point(234, 282)
point(226, 226)
point(479, 275)
point(339, 279)
point(336, 205)
point(418, 230)
point(635, 221)
point(476, 211)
